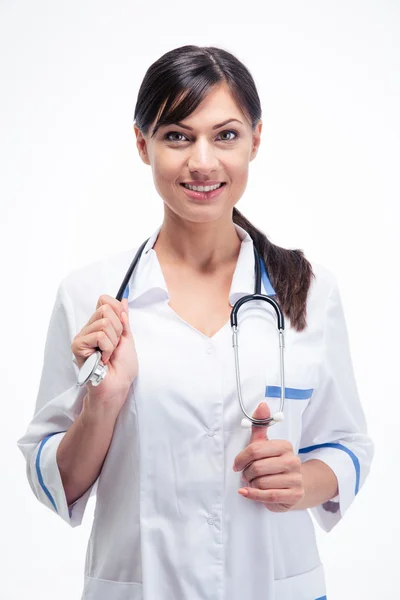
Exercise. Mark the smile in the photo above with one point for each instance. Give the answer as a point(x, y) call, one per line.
point(202, 188)
point(203, 192)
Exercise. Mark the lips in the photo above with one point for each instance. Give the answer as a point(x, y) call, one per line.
point(202, 183)
point(220, 183)
point(204, 196)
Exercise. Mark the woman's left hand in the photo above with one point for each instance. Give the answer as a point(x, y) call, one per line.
point(271, 468)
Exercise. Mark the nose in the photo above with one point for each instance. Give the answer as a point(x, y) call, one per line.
point(203, 157)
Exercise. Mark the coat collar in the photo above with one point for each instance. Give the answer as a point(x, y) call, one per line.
point(147, 283)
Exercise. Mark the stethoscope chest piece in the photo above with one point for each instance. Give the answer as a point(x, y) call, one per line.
point(93, 370)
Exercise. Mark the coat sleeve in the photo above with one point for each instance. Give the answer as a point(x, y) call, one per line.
point(59, 402)
point(334, 428)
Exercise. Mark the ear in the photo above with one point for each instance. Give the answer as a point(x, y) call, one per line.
point(141, 144)
point(256, 140)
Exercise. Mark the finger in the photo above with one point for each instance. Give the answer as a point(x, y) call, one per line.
point(115, 304)
point(281, 481)
point(125, 319)
point(97, 339)
point(105, 311)
point(104, 319)
point(292, 496)
point(259, 450)
point(260, 433)
point(267, 466)
point(105, 325)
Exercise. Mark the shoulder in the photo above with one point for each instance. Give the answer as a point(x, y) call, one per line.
point(300, 267)
point(323, 285)
point(83, 286)
point(324, 279)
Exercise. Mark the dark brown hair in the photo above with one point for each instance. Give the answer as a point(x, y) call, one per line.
point(173, 87)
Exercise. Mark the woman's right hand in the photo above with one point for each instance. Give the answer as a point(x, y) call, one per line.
point(109, 329)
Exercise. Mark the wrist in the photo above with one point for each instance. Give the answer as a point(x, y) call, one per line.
point(96, 408)
point(319, 482)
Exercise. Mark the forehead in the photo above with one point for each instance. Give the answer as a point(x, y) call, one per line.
point(218, 102)
point(217, 106)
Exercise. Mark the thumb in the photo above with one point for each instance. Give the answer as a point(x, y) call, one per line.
point(260, 433)
point(125, 318)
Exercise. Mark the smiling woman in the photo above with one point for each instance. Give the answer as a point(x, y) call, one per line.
point(196, 92)
point(159, 438)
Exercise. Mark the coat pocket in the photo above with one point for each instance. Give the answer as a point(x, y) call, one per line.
point(274, 391)
point(296, 401)
point(306, 586)
point(103, 589)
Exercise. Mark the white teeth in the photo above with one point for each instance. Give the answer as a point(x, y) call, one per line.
point(202, 188)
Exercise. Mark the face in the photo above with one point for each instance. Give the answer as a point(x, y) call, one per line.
point(202, 155)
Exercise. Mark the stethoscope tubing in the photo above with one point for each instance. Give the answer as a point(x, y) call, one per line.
point(252, 297)
point(95, 370)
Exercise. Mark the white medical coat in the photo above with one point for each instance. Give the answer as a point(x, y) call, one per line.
point(169, 523)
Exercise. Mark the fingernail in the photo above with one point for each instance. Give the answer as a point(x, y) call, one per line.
point(243, 492)
point(261, 404)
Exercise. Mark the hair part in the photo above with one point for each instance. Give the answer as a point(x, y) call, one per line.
point(172, 88)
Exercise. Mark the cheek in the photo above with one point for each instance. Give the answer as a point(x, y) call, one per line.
point(237, 166)
point(162, 172)
point(239, 174)
point(165, 175)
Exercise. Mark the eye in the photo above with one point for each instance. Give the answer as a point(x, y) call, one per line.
point(230, 131)
point(168, 135)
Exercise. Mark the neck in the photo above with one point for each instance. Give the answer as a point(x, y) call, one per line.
point(203, 247)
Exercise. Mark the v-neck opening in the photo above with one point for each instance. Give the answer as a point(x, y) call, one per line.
point(203, 335)
point(243, 277)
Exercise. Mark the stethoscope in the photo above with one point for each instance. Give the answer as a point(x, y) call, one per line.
point(94, 370)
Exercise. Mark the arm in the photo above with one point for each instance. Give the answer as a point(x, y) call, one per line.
point(81, 452)
point(320, 484)
point(63, 412)
point(334, 429)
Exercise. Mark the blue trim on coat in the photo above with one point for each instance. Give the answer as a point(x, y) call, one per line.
point(353, 457)
point(126, 292)
point(274, 391)
point(321, 598)
point(269, 290)
point(39, 473)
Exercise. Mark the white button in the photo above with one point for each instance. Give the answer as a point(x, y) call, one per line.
point(210, 432)
point(209, 350)
point(210, 521)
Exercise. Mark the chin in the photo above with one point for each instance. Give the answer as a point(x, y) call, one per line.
point(204, 215)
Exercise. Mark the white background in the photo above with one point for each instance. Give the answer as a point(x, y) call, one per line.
point(73, 189)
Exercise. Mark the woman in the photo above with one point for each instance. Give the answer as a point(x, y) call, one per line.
point(190, 505)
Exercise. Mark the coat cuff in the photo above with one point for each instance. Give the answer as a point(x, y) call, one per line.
point(47, 483)
point(345, 464)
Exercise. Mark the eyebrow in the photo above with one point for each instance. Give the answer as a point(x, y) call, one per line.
point(215, 126)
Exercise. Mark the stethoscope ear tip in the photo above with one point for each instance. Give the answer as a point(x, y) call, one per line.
point(246, 424)
point(279, 417)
